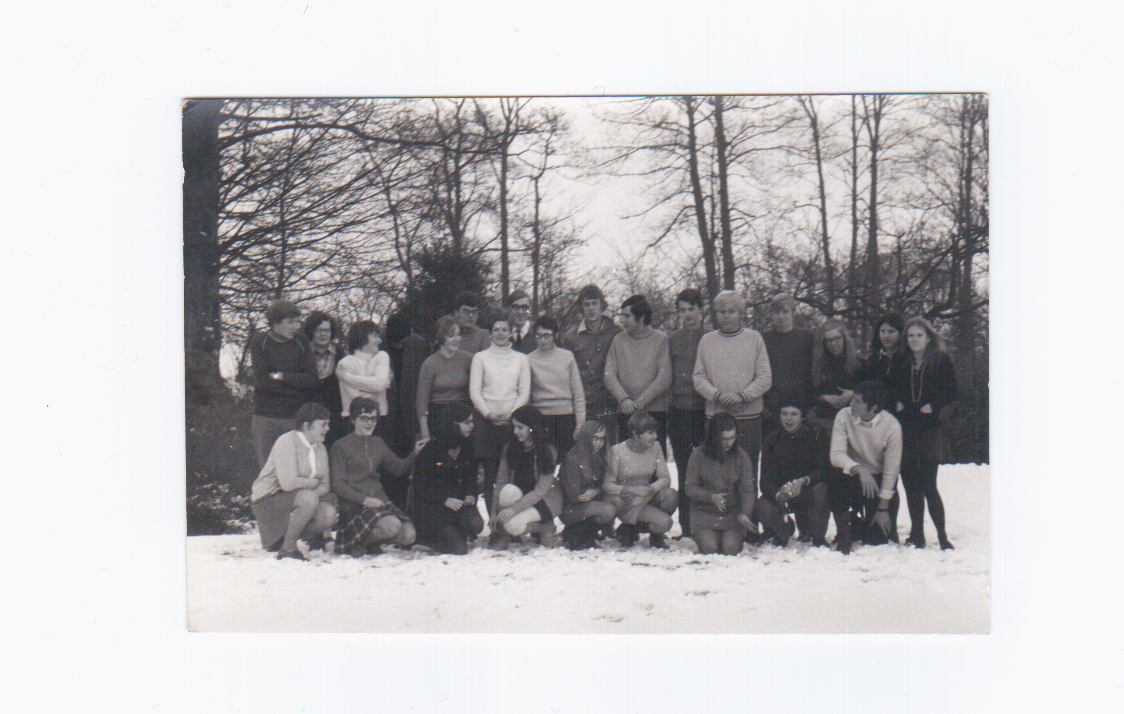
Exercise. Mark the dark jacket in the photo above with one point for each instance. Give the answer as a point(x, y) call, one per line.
point(934, 384)
point(281, 398)
point(785, 457)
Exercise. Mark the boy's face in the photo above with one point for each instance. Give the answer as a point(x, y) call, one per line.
point(690, 316)
point(791, 419)
point(466, 316)
point(591, 310)
point(287, 328)
point(861, 409)
point(783, 317)
point(628, 321)
point(729, 316)
point(520, 311)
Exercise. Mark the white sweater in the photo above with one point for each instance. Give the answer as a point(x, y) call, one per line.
point(499, 380)
point(365, 375)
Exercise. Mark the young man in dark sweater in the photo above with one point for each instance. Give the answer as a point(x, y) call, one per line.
point(686, 410)
point(794, 473)
point(790, 356)
point(285, 376)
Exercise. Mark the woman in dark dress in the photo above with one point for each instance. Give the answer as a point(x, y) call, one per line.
point(444, 484)
point(887, 350)
point(926, 385)
point(581, 477)
point(722, 487)
point(367, 515)
point(525, 499)
point(836, 368)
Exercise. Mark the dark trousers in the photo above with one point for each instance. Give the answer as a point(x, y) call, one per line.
point(921, 453)
point(560, 432)
point(812, 503)
point(661, 427)
point(686, 428)
point(854, 514)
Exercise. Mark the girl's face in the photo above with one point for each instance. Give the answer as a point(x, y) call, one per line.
point(648, 438)
point(466, 427)
point(365, 423)
point(373, 342)
point(597, 440)
point(522, 431)
point(315, 431)
point(729, 440)
point(453, 337)
point(917, 338)
point(889, 336)
point(544, 338)
point(501, 333)
point(834, 341)
point(322, 335)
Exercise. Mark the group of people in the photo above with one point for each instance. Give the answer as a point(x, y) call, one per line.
point(574, 427)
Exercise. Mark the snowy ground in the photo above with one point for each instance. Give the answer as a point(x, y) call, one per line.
point(235, 586)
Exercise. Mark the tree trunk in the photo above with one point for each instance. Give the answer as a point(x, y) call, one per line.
point(829, 268)
point(696, 191)
point(874, 122)
point(202, 324)
point(852, 267)
point(720, 146)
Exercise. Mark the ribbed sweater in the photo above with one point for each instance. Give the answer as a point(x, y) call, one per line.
point(443, 379)
point(499, 380)
point(294, 359)
point(556, 384)
point(733, 363)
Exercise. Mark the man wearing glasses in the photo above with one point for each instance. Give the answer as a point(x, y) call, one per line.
point(466, 311)
point(519, 310)
point(556, 387)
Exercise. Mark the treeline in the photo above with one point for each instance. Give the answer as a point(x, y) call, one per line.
point(855, 204)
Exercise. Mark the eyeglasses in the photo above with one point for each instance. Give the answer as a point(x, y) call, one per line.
point(367, 417)
point(518, 306)
point(544, 335)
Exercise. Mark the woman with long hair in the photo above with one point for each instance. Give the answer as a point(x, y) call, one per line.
point(638, 483)
point(444, 484)
point(582, 477)
point(367, 515)
point(291, 498)
point(525, 499)
point(722, 487)
point(443, 380)
point(926, 386)
point(887, 350)
point(836, 368)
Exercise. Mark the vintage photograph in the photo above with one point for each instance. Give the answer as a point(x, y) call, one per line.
point(691, 364)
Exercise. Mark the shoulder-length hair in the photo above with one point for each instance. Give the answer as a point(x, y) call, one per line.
point(850, 354)
point(544, 453)
point(445, 325)
point(314, 319)
point(894, 320)
point(583, 457)
point(712, 444)
point(936, 344)
point(358, 333)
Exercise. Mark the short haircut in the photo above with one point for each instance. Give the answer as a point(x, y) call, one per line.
point(279, 310)
point(315, 319)
point(548, 322)
point(445, 325)
point(691, 296)
point(730, 296)
point(712, 444)
point(790, 398)
point(641, 422)
point(515, 295)
point(466, 298)
point(310, 412)
point(782, 300)
point(639, 307)
point(592, 292)
point(874, 393)
point(359, 405)
point(358, 333)
point(497, 317)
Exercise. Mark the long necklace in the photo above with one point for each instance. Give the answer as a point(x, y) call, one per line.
point(921, 387)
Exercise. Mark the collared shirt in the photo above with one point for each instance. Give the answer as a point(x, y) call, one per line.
point(875, 445)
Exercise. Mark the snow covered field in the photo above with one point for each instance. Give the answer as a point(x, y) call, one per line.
point(234, 586)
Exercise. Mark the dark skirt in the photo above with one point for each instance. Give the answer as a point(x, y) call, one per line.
point(357, 521)
point(272, 514)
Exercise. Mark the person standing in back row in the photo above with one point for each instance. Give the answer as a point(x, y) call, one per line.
point(589, 341)
point(790, 356)
point(686, 410)
point(638, 367)
point(466, 311)
point(522, 331)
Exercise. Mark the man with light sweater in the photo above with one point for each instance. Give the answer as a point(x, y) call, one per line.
point(866, 445)
point(732, 371)
point(638, 367)
point(499, 382)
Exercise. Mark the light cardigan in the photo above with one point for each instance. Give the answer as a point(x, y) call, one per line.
point(875, 444)
point(289, 467)
point(735, 363)
point(556, 383)
point(367, 375)
point(499, 380)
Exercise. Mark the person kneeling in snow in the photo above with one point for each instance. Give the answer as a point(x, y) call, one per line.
point(794, 466)
point(367, 515)
point(722, 487)
point(525, 499)
point(638, 483)
point(866, 444)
